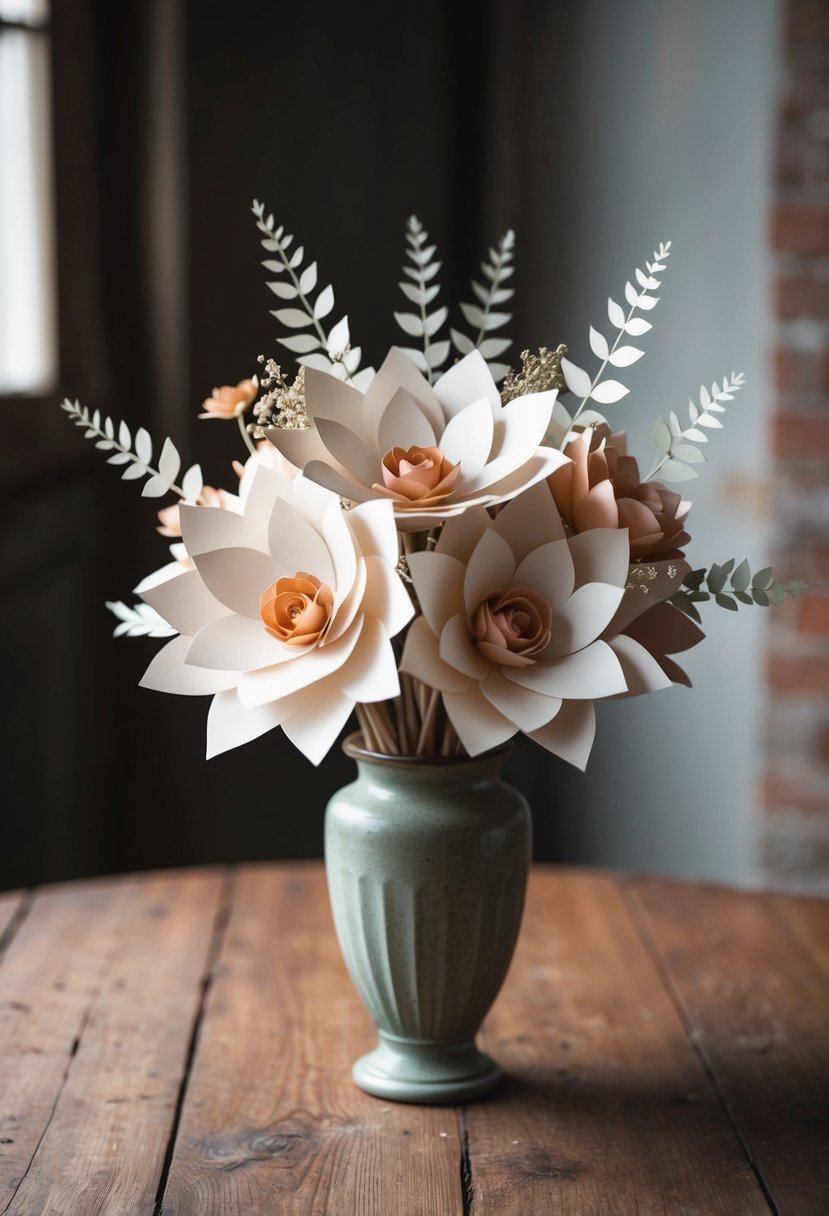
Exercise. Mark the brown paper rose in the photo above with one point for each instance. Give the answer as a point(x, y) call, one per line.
point(296, 610)
point(602, 489)
point(421, 475)
point(511, 626)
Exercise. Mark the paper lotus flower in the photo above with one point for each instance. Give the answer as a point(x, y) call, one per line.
point(602, 488)
point(287, 614)
point(432, 451)
point(513, 627)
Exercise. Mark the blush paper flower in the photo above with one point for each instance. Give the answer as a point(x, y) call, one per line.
point(286, 614)
point(432, 451)
point(231, 400)
point(514, 614)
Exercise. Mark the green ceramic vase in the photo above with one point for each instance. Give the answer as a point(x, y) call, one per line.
point(427, 863)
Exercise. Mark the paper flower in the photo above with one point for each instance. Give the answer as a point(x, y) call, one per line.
point(433, 451)
point(230, 401)
point(512, 625)
point(601, 488)
point(286, 614)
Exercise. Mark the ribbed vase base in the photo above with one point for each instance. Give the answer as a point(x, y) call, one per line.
point(404, 1070)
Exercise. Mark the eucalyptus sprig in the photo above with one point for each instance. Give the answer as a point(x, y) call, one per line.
point(138, 620)
point(677, 446)
point(137, 456)
point(607, 392)
point(728, 583)
point(327, 351)
point(481, 316)
point(422, 291)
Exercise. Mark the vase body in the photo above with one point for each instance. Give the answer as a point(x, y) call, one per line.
point(427, 864)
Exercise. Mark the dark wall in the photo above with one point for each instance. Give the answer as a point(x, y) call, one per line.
point(170, 118)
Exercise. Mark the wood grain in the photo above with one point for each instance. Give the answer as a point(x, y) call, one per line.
point(750, 974)
point(11, 904)
point(103, 1149)
point(272, 1122)
point(608, 1109)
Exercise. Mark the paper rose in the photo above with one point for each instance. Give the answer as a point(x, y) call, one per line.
point(432, 451)
point(230, 400)
point(602, 489)
point(511, 632)
point(286, 614)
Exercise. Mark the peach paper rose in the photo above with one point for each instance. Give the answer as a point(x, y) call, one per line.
point(230, 401)
point(601, 488)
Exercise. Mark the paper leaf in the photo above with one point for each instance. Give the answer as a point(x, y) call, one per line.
point(616, 314)
point(192, 483)
point(155, 488)
point(434, 322)
point(577, 380)
point(300, 343)
point(133, 472)
point(143, 446)
point(437, 354)
point(688, 453)
point(637, 326)
point(490, 348)
point(598, 344)
point(741, 577)
point(119, 458)
point(285, 291)
point(339, 336)
point(417, 357)
point(294, 318)
point(462, 343)
point(409, 323)
point(662, 436)
point(608, 391)
point(169, 462)
point(299, 254)
point(473, 315)
point(675, 470)
point(308, 279)
point(124, 437)
point(325, 302)
point(624, 356)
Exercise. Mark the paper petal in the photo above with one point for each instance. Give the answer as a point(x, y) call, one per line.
point(467, 380)
point(642, 672)
point(402, 425)
point(296, 546)
point(523, 431)
point(385, 596)
point(529, 521)
point(479, 724)
point(582, 618)
point(327, 396)
point(349, 451)
point(241, 643)
point(237, 577)
point(169, 673)
point(460, 534)
point(587, 674)
point(371, 673)
point(184, 602)
point(315, 730)
point(421, 658)
point(529, 710)
point(669, 575)
point(398, 371)
point(206, 528)
point(299, 446)
point(490, 567)
point(456, 648)
point(468, 439)
point(373, 526)
point(438, 580)
point(548, 570)
point(230, 725)
point(665, 630)
point(274, 683)
point(346, 609)
point(324, 475)
point(570, 734)
point(601, 555)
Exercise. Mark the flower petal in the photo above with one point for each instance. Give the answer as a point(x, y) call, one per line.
point(275, 683)
point(458, 650)
point(168, 672)
point(491, 566)
point(398, 371)
point(335, 481)
point(479, 724)
point(230, 724)
point(374, 530)
point(459, 536)
point(237, 577)
point(296, 545)
point(598, 509)
point(385, 597)
point(438, 580)
point(583, 618)
point(421, 658)
point(300, 446)
point(402, 424)
point(601, 555)
point(570, 734)
point(529, 710)
point(349, 451)
point(315, 728)
point(468, 440)
point(467, 380)
point(521, 427)
point(548, 570)
point(642, 672)
point(529, 521)
point(241, 643)
point(371, 672)
point(184, 602)
point(583, 676)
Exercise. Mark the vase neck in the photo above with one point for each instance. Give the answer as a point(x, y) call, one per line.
point(449, 773)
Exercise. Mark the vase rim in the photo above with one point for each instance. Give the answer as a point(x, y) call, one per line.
point(352, 745)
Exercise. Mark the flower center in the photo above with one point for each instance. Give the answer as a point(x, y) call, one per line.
point(296, 610)
point(417, 475)
point(510, 627)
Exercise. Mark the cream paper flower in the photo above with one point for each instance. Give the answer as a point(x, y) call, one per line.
point(433, 451)
point(286, 614)
point(511, 632)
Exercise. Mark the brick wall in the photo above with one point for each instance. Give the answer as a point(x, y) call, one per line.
point(794, 832)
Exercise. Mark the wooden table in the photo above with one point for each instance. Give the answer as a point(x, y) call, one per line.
point(181, 1043)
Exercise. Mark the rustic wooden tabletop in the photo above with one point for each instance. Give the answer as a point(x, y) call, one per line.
point(181, 1043)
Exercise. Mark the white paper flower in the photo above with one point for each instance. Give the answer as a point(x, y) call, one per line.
point(513, 613)
point(286, 614)
point(433, 451)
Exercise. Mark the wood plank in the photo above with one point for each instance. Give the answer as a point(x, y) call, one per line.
point(51, 975)
point(758, 1006)
point(272, 1121)
point(607, 1109)
point(104, 1148)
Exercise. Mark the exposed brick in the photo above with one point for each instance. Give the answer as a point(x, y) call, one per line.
point(823, 745)
point(802, 297)
point(799, 228)
point(813, 613)
point(801, 435)
point(799, 371)
point(808, 674)
point(804, 793)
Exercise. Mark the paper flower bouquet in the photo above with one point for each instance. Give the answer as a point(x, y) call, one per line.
point(455, 561)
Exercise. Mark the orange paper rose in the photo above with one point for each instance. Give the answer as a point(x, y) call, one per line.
point(230, 401)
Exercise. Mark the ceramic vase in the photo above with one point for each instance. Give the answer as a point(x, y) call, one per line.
point(427, 862)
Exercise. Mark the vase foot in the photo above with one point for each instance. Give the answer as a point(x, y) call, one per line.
point(404, 1070)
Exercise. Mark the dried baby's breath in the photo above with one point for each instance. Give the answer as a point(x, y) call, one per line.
point(538, 373)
